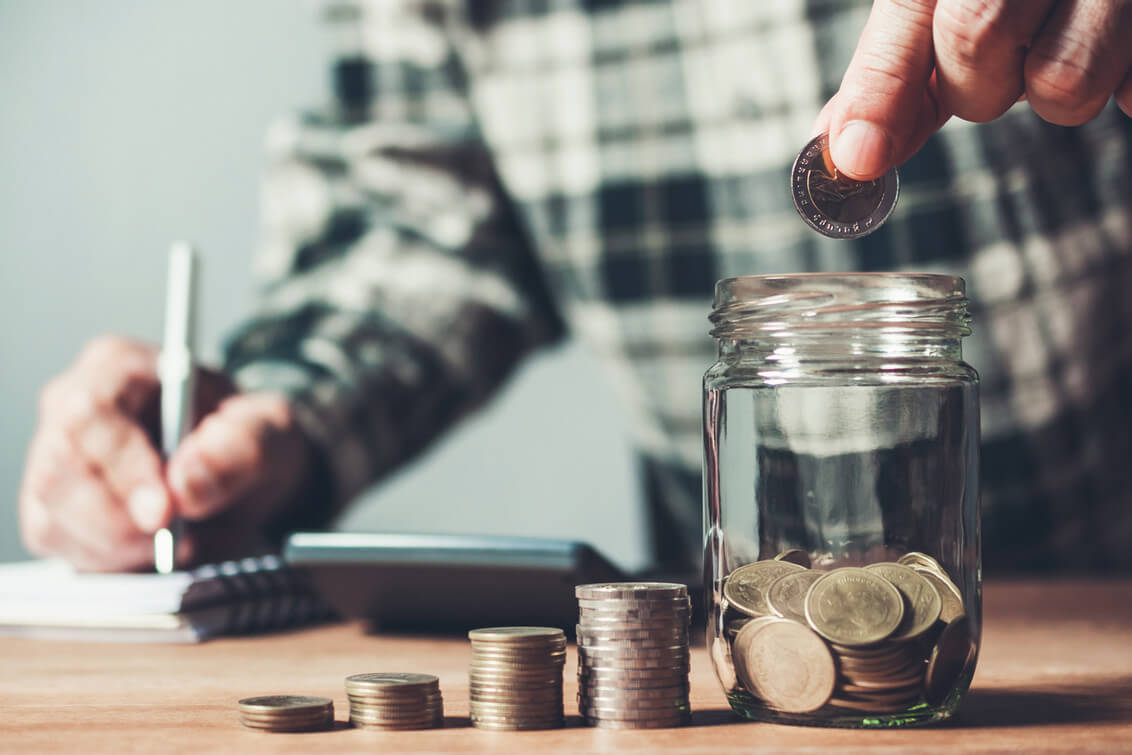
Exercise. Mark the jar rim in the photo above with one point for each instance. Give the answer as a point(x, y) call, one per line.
point(926, 303)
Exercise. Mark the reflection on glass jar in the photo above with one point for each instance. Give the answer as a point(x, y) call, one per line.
point(841, 442)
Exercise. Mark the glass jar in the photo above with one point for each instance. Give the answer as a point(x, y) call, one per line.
point(841, 458)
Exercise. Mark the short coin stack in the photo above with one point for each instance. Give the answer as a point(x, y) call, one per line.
point(633, 654)
point(287, 713)
point(515, 679)
point(395, 701)
point(877, 639)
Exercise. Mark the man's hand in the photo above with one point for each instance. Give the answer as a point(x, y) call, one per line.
point(919, 62)
point(95, 488)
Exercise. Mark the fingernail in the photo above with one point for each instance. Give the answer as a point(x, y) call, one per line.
point(195, 484)
point(862, 150)
point(147, 506)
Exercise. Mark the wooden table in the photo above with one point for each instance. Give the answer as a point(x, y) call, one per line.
point(1055, 675)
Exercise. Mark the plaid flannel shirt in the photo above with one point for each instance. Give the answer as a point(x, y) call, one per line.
point(490, 174)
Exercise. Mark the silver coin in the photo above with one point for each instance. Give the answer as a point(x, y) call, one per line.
point(268, 722)
point(598, 681)
point(637, 606)
point(518, 651)
point(634, 664)
point(540, 707)
point(518, 664)
point(632, 651)
point(381, 726)
point(516, 703)
point(606, 634)
point(284, 704)
point(628, 670)
point(629, 685)
point(634, 609)
point(392, 680)
point(396, 707)
point(518, 676)
point(376, 718)
point(406, 696)
point(281, 727)
point(677, 688)
point(629, 701)
point(591, 711)
point(642, 643)
point(606, 723)
point(656, 677)
point(515, 634)
point(634, 624)
point(506, 686)
point(504, 715)
point(630, 590)
point(489, 725)
point(835, 205)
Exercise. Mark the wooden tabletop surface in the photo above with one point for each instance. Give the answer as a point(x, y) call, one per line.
point(1055, 675)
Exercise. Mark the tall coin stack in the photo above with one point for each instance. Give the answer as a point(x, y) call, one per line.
point(515, 680)
point(395, 701)
point(633, 657)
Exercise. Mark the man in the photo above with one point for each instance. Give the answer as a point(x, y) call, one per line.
point(493, 172)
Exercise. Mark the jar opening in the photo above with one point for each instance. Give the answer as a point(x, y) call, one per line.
point(766, 305)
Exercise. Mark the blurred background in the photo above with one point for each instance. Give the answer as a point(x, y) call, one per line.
point(130, 123)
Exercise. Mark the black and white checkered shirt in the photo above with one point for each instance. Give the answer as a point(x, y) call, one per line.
point(493, 173)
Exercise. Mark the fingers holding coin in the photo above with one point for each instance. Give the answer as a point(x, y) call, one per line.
point(919, 62)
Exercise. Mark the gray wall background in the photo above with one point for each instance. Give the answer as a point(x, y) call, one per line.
point(125, 124)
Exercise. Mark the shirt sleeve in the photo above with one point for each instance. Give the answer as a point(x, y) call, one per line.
point(399, 288)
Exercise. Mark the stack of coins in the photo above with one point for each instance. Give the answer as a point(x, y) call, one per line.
point(287, 713)
point(395, 701)
point(515, 678)
point(633, 654)
point(877, 639)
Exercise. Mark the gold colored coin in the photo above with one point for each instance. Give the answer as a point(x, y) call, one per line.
point(916, 558)
point(951, 654)
point(854, 607)
point(745, 588)
point(951, 606)
point(922, 602)
point(786, 664)
point(786, 596)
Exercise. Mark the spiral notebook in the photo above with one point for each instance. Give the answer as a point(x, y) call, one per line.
point(48, 599)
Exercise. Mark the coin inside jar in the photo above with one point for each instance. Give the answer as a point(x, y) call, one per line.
point(746, 587)
point(922, 602)
point(786, 596)
point(854, 607)
point(834, 204)
point(785, 664)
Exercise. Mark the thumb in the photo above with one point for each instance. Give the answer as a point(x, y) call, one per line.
point(885, 108)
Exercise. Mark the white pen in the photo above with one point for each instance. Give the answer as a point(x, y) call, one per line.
point(177, 374)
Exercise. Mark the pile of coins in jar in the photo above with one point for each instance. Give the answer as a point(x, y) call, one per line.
point(876, 639)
